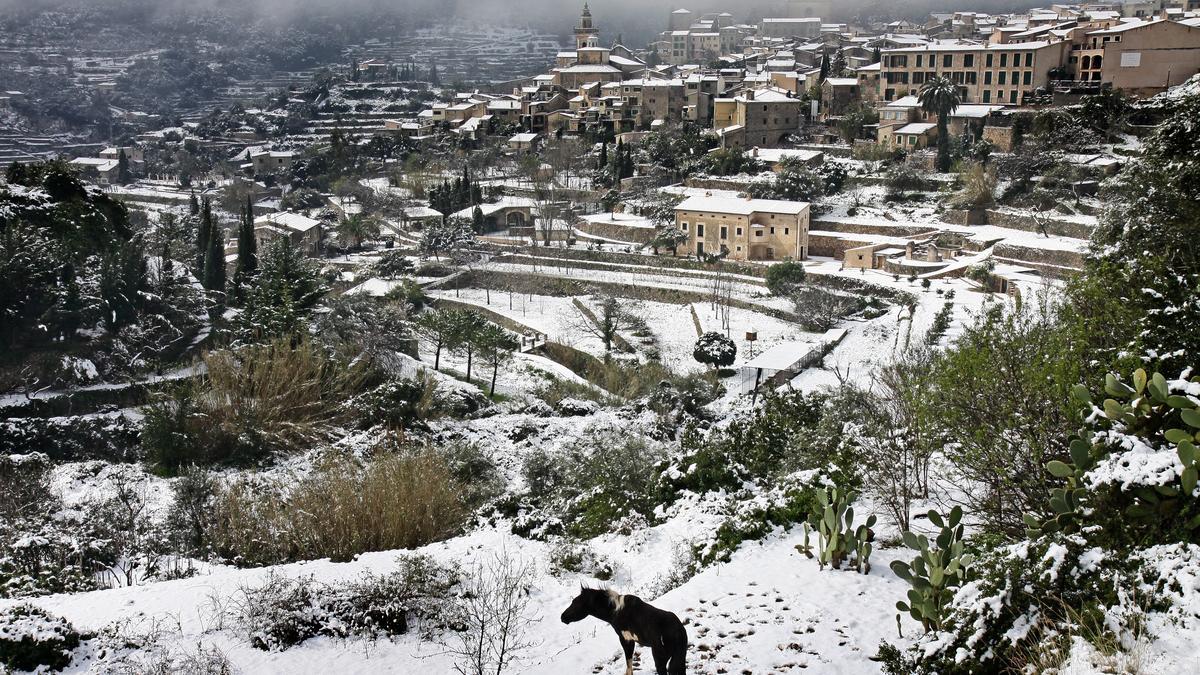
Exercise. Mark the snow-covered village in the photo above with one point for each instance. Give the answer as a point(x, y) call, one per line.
point(608, 337)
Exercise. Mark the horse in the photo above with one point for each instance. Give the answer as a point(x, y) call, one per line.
point(635, 622)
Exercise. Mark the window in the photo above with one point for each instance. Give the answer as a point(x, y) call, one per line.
point(685, 227)
point(987, 77)
point(772, 230)
point(987, 61)
point(1016, 78)
point(1003, 60)
point(947, 60)
point(724, 232)
point(1003, 75)
point(1012, 96)
point(739, 231)
point(987, 96)
point(1028, 59)
point(1028, 79)
point(699, 229)
point(786, 231)
point(968, 60)
point(758, 233)
point(971, 78)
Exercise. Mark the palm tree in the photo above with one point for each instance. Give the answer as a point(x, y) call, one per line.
point(357, 228)
point(939, 96)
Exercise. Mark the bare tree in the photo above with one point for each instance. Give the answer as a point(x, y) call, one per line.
point(819, 309)
point(605, 325)
point(896, 448)
point(493, 614)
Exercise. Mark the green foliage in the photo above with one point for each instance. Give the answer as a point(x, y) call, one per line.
point(937, 572)
point(1131, 511)
point(999, 401)
point(596, 483)
point(32, 639)
point(1145, 256)
point(789, 502)
point(282, 295)
point(785, 278)
point(798, 183)
point(837, 537)
point(939, 96)
point(714, 349)
point(789, 432)
point(731, 161)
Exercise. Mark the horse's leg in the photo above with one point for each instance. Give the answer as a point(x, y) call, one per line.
point(627, 646)
point(677, 665)
point(660, 659)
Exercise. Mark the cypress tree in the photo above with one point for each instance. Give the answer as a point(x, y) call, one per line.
point(203, 235)
point(193, 205)
point(214, 262)
point(603, 154)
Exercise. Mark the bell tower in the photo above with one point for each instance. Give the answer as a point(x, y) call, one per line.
point(586, 35)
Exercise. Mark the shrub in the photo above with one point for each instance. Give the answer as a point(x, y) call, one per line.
point(112, 437)
point(787, 503)
point(906, 178)
point(594, 482)
point(252, 402)
point(785, 278)
point(343, 508)
point(283, 612)
point(32, 638)
point(789, 432)
point(572, 557)
point(715, 349)
point(41, 553)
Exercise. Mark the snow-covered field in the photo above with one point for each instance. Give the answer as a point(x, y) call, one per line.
point(768, 610)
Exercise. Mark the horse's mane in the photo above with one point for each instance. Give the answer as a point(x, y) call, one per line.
point(615, 598)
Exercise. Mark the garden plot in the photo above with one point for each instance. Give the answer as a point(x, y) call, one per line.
point(556, 317)
point(770, 330)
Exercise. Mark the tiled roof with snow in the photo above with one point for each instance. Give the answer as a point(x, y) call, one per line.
point(740, 206)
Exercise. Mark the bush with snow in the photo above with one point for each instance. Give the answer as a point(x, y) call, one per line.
point(716, 350)
point(32, 638)
point(283, 612)
point(1120, 550)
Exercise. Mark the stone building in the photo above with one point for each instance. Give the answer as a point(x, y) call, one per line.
point(748, 229)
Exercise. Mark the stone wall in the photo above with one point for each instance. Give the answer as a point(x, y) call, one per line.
point(861, 228)
point(1062, 228)
point(1001, 137)
point(1056, 258)
point(616, 231)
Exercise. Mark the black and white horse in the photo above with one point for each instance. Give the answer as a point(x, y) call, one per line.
point(636, 622)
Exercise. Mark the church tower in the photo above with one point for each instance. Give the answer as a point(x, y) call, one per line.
point(586, 35)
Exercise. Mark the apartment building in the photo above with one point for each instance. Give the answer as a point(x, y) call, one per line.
point(761, 117)
point(789, 27)
point(984, 73)
point(1142, 58)
point(748, 229)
